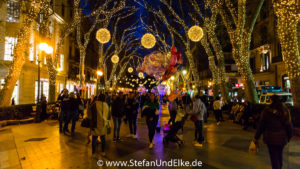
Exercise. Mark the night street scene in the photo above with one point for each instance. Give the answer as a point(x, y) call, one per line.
point(113, 84)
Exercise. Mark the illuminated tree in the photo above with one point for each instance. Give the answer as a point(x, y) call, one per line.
point(210, 38)
point(122, 43)
point(240, 31)
point(19, 57)
point(183, 38)
point(288, 16)
point(102, 15)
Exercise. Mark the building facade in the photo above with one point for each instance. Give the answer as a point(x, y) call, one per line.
point(26, 88)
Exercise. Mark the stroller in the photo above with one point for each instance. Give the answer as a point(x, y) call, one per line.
point(172, 133)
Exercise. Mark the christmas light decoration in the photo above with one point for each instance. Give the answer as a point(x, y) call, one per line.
point(115, 59)
point(288, 17)
point(195, 33)
point(103, 35)
point(148, 41)
point(141, 75)
point(130, 69)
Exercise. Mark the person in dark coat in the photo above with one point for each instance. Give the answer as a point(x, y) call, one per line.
point(276, 127)
point(150, 110)
point(72, 114)
point(44, 105)
point(131, 113)
point(248, 111)
point(63, 99)
point(117, 110)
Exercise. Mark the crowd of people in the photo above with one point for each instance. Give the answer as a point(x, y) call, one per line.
point(274, 121)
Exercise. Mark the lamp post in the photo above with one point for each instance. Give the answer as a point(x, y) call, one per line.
point(99, 74)
point(43, 48)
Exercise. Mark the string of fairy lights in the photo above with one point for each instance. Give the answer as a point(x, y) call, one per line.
point(288, 16)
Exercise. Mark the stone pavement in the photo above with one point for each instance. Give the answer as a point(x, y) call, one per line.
point(41, 146)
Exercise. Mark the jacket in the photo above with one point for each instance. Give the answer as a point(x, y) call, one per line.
point(150, 108)
point(172, 105)
point(275, 129)
point(102, 119)
point(199, 109)
point(117, 107)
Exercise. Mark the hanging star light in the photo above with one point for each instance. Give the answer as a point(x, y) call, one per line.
point(148, 41)
point(130, 69)
point(103, 35)
point(195, 33)
point(115, 59)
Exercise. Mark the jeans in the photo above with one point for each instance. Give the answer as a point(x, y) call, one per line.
point(132, 124)
point(117, 126)
point(61, 120)
point(151, 124)
point(275, 152)
point(94, 143)
point(218, 115)
point(198, 131)
point(71, 116)
point(173, 114)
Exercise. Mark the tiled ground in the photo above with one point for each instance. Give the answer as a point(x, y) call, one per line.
point(40, 146)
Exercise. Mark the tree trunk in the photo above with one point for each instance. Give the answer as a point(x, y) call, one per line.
point(52, 83)
point(193, 67)
point(81, 69)
point(216, 89)
point(19, 58)
point(288, 18)
point(295, 86)
point(250, 89)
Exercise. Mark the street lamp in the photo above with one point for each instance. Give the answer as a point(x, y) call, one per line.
point(99, 74)
point(184, 72)
point(43, 47)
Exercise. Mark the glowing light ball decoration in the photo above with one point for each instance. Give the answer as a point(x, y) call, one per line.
point(130, 69)
point(148, 41)
point(103, 35)
point(195, 33)
point(141, 75)
point(115, 59)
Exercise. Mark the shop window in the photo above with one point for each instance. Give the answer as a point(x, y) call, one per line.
point(13, 11)
point(265, 62)
point(10, 43)
point(44, 89)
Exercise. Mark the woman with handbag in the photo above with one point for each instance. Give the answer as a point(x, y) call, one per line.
point(101, 117)
point(150, 110)
point(276, 127)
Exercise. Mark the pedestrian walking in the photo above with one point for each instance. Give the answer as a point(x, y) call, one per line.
point(172, 106)
point(217, 105)
point(117, 109)
point(276, 127)
point(72, 115)
point(100, 123)
point(63, 99)
point(198, 112)
point(88, 111)
point(131, 113)
point(150, 110)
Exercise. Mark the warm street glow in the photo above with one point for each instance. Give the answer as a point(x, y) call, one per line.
point(184, 72)
point(99, 73)
point(172, 77)
point(59, 69)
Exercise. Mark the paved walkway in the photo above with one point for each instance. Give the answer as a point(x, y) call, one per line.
point(40, 146)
